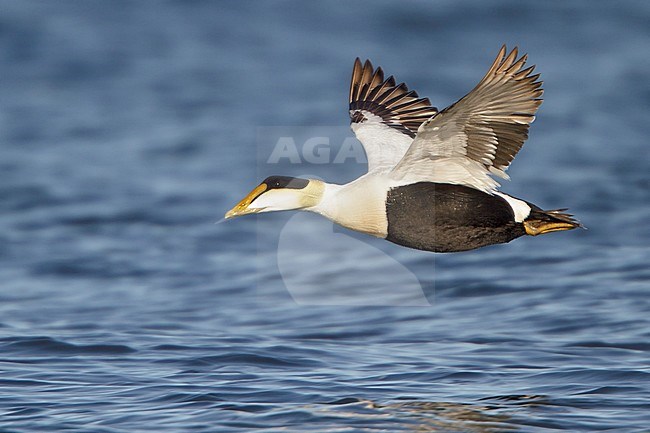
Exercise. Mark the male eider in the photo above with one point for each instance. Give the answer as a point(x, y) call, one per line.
point(429, 183)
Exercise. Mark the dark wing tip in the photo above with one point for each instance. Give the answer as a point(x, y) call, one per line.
point(394, 103)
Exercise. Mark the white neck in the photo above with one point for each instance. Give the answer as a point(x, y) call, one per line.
point(359, 205)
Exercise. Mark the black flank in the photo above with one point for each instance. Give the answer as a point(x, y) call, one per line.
point(448, 218)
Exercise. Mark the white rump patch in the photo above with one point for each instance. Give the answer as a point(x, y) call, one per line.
point(519, 207)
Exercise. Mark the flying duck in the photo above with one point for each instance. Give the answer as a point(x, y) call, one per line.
point(429, 184)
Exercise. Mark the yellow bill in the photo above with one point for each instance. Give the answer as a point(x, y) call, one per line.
point(241, 208)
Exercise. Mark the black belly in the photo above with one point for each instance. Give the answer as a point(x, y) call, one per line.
point(447, 218)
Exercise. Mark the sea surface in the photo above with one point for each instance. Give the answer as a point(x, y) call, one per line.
point(127, 130)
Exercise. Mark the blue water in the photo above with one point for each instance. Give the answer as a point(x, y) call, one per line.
point(127, 129)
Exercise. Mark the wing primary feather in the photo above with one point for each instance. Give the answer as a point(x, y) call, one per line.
point(486, 127)
point(356, 79)
point(395, 104)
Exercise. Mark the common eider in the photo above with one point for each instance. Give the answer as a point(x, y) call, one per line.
point(429, 183)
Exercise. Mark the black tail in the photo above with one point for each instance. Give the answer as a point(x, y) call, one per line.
point(541, 221)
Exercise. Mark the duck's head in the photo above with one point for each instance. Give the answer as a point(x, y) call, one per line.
point(279, 193)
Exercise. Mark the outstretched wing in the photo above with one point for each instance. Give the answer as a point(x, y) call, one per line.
point(480, 134)
point(384, 116)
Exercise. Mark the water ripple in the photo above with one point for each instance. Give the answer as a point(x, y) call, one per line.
point(50, 346)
